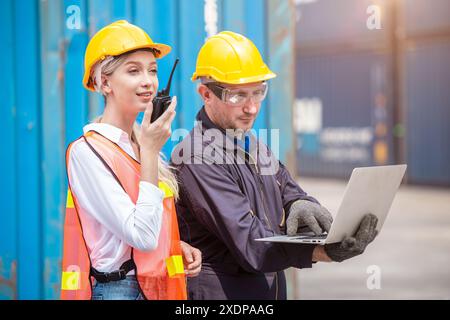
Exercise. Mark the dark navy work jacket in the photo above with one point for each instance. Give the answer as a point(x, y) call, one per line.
point(229, 198)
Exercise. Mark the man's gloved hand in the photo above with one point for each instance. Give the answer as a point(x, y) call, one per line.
point(353, 246)
point(306, 213)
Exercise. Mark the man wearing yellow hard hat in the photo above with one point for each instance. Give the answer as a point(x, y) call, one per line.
point(228, 198)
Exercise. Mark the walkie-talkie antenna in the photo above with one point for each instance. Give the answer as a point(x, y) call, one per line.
point(166, 91)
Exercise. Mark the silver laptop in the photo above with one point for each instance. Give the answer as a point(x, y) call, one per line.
point(369, 190)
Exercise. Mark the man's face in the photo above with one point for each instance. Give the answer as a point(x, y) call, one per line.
point(228, 114)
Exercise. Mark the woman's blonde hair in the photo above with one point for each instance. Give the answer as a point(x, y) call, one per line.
point(107, 67)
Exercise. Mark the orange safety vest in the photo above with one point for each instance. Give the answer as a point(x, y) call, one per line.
point(160, 272)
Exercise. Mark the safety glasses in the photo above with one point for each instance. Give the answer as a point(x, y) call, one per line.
point(238, 96)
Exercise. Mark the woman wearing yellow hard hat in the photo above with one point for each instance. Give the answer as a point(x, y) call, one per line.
point(121, 237)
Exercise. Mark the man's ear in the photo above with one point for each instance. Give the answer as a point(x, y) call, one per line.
point(204, 92)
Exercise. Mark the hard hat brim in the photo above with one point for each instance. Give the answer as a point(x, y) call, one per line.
point(253, 79)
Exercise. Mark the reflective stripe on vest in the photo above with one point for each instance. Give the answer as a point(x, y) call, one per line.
point(160, 272)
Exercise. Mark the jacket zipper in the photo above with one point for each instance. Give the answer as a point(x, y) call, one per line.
point(261, 193)
point(267, 219)
point(264, 205)
point(265, 215)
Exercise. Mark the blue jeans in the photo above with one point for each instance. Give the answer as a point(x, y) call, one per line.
point(126, 289)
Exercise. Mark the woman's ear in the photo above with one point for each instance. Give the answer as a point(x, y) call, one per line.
point(106, 88)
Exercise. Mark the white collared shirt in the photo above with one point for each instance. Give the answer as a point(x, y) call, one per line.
point(119, 224)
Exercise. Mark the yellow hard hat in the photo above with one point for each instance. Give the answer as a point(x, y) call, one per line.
point(114, 39)
point(229, 57)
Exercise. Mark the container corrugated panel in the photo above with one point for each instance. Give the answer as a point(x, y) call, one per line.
point(281, 44)
point(191, 36)
point(52, 143)
point(427, 107)
point(425, 16)
point(74, 42)
point(329, 22)
point(29, 148)
point(8, 158)
point(343, 113)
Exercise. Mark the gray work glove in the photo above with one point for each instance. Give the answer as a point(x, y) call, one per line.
point(309, 214)
point(353, 246)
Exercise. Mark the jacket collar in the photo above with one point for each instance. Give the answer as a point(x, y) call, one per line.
point(251, 149)
point(207, 123)
point(236, 142)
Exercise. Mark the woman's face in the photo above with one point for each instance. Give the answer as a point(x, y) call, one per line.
point(134, 84)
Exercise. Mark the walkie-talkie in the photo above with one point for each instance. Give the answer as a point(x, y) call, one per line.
point(162, 100)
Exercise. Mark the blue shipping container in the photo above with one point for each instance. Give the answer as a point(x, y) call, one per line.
point(427, 106)
point(343, 113)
